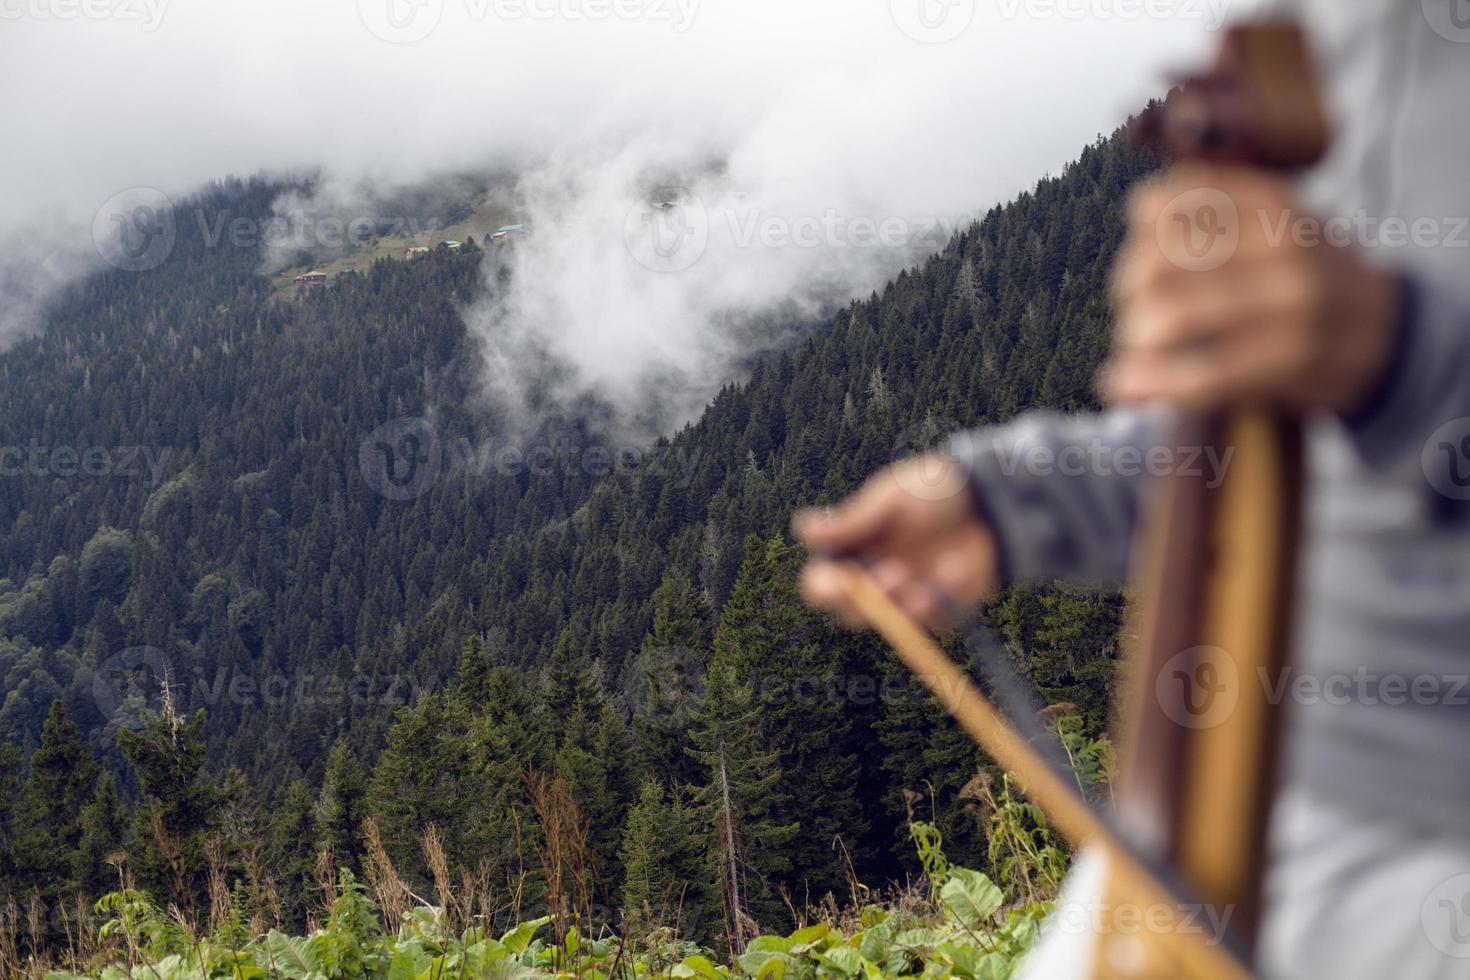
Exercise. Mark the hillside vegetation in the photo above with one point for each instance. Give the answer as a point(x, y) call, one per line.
point(566, 677)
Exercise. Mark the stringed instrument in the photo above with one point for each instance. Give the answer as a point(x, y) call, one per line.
point(1215, 574)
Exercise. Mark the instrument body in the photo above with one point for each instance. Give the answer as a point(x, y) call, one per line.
point(1217, 566)
point(1199, 748)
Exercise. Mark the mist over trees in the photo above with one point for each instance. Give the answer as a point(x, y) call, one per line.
point(312, 602)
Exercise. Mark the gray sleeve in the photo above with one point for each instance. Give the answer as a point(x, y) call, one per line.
point(1062, 494)
point(1422, 405)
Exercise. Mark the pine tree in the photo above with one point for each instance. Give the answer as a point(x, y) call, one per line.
point(476, 666)
point(62, 780)
point(923, 751)
point(967, 288)
point(11, 811)
point(103, 832)
point(508, 739)
point(740, 807)
point(665, 881)
point(665, 681)
point(341, 805)
point(175, 805)
point(595, 761)
point(1068, 641)
point(800, 676)
point(570, 682)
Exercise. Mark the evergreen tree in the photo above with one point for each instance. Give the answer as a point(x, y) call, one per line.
point(508, 740)
point(594, 760)
point(924, 752)
point(740, 806)
point(663, 854)
point(175, 802)
point(11, 810)
point(341, 805)
point(290, 851)
point(63, 779)
point(570, 683)
point(1069, 641)
point(665, 680)
point(801, 680)
point(103, 832)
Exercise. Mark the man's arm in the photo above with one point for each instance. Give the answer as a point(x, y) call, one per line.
point(1062, 495)
point(1423, 399)
point(1044, 497)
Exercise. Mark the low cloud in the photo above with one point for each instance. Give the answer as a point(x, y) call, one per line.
point(650, 274)
point(823, 145)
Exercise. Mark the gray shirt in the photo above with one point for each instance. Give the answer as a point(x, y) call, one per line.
point(1379, 713)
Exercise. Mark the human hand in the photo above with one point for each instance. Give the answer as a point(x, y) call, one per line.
point(918, 526)
point(1225, 292)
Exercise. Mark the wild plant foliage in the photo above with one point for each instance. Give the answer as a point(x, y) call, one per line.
point(955, 923)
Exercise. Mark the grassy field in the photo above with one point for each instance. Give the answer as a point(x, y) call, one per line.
point(489, 212)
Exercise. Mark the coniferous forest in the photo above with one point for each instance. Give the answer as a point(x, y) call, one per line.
point(285, 645)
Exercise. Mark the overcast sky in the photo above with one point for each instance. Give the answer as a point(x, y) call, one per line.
point(99, 95)
point(874, 108)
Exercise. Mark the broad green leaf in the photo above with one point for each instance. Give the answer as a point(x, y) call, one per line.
point(844, 959)
point(408, 962)
point(763, 963)
point(769, 944)
point(919, 938)
point(803, 939)
point(994, 966)
point(970, 897)
point(519, 938)
point(290, 958)
point(697, 966)
point(963, 961)
point(875, 941)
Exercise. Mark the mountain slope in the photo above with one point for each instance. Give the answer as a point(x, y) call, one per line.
point(294, 575)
